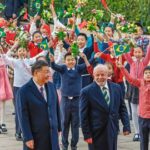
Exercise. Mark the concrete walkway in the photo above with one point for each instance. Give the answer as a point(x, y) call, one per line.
point(8, 142)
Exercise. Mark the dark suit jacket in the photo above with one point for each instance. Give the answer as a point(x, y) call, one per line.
point(12, 7)
point(39, 120)
point(100, 121)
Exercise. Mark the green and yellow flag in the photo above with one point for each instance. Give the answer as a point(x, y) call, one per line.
point(121, 49)
point(34, 7)
point(43, 45)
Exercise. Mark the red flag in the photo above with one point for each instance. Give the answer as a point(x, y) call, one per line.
point(25, 17)
point(83, 24)
point(110, 44)
point(104, 3)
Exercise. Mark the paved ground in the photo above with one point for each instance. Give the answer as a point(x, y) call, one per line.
point(8, 142)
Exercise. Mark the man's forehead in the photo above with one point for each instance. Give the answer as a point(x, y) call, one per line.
point(101, 70)
point(45, 68)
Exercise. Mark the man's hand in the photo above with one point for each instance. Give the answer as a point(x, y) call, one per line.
point(126, 133)
point(51, 57)
point(30, 144)
point(89, 141)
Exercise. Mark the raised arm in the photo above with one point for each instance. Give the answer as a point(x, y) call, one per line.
point(53, 11)
point(147, 57)
point(59, 68)
point(33, 59)
point(131, 80)
point(128, 58)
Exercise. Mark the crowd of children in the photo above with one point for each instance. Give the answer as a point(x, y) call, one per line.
point(70, 72)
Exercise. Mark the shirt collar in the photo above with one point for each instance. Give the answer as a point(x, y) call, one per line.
point(35, 44)
point(106, 86)
point(82, 49)
point(71, 68)
point(37, 85)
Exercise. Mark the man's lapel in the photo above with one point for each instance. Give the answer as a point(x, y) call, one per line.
point(111, 93)
point(100, 98)
point(36, 92)
point(49, 94)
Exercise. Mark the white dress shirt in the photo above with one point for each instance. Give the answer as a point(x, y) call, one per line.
point(82, 49)
point(39, 87)
point(106, 87)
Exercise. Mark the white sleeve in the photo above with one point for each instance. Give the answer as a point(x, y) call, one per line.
point(9, 60)
point(57, 23)
point(33, 59)
point(60, 57)
point(32, 28)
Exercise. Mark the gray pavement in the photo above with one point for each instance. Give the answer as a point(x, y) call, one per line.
point(8, 142)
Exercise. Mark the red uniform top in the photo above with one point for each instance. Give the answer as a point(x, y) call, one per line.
point(90, 70)
point(144, 94)
point(10, 37)
point(33, 49)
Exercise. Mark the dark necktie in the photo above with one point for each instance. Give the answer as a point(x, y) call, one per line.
point(106, 96)
point(42, 91)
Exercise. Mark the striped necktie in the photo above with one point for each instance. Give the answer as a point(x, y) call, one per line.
point(106, 96)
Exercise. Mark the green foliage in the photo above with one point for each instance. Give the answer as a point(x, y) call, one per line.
point(61, 35)
point(133, 10)
point(75, 49)
point(2, 7)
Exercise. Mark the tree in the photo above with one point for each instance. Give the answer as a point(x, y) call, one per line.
point(134, 10)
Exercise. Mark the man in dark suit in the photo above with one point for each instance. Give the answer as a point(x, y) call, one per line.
point(101, 106)
point(38, 110)
point(12, 8)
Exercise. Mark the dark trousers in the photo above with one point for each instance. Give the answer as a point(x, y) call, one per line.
point(15, 91)
point(144, 125)
point(70, 116)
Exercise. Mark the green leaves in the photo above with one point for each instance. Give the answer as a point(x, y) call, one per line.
point(133, 10)
point(74, 49)
point(61, 35)
point(2, 7)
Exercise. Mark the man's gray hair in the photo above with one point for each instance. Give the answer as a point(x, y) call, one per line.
point(100, 67)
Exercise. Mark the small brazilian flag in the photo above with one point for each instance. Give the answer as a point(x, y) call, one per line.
point(34, 7)
point(2, 33)
point(121, 49)
point(43, 45)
